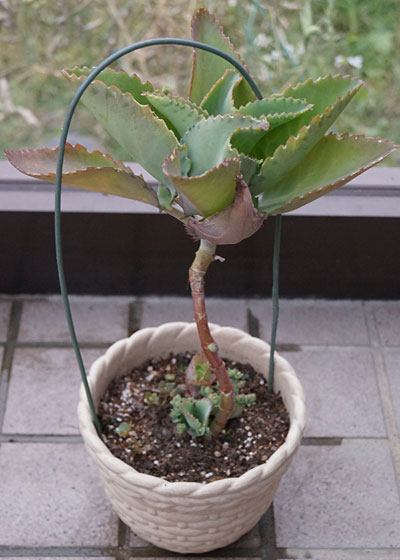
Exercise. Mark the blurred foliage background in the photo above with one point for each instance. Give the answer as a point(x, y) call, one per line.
point(282, 42)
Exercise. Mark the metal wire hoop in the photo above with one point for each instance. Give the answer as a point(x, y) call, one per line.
point(57, 210)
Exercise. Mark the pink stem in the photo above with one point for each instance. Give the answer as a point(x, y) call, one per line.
point(203, 259)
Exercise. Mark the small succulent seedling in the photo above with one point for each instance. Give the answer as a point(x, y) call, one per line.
point(151, 398)
point(191, 415)
point(124, 428)
point(224, 161)
point(195, 415)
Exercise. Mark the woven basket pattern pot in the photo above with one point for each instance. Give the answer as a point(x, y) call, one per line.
point(182, 516)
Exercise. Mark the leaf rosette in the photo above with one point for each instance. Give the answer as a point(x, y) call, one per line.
point(224, 161)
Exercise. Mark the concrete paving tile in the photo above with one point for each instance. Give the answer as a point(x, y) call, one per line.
point(136, 542)
point(341, 392)
point(158, 310)
point(226, 312)
point(387, 317)
point(339, 497)
point(392, 361)
point(97, 320)
point(44, 391)
point(252, 539)
point(5, 308)
point(51, 496)
point(313, 321)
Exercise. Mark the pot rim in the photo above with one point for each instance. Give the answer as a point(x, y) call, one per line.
point(292, 441)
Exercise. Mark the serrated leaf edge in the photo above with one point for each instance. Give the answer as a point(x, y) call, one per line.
point(116, 91)
point(304, 129)
point(221, 30)
point(189, 417)
point(69, 73)
point(224, 163)
point(127, 95)
point(322, 78)
point(179, 101)
point(196, 14)
point(257, 124)
point(307, 106)
point(347, 178)
point(68, 146)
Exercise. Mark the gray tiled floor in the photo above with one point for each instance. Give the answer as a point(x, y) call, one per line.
point(35, 404)
point(387, 320)
point(339, 499)
point(392, 361)
point(51, 497)
point(314, 322)
point(97, 320)
point(5, 308)
point(342, 393)
point(222, 312)
point(361, 508)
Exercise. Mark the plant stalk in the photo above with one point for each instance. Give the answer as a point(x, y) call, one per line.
point(203, 259)
point(275, 300)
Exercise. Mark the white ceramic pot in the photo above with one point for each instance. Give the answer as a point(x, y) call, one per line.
point(190, 517)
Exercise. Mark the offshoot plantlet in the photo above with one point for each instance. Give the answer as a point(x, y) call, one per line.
point(224, 161)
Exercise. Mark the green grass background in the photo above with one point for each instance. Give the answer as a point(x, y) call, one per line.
point(282, 41)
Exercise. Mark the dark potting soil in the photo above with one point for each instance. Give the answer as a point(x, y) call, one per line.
point(144, 436)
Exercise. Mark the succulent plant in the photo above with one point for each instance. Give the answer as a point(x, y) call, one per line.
point(194, 415)
point(224, 160)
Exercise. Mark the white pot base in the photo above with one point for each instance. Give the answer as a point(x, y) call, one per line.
point(190, 517)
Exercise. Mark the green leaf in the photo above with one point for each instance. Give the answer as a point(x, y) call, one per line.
point(187, 405)
point(86, 170)
point(287, 156)
point(208, 67)
point(139, 131)
point(182, 163)
point(248, 167)
point(165, 197)
point(242, 93)
point(121, 80)
point(124, 428)
point(208, 141)
point(202, 410)
point(323, 92)
point(196, 427)
point(247, 140)
point(334, 161)
point(277, 110)
point(329, 96)
point(179, 113)
point(151, 398)
point(219, 100)
point(181, 428)
point(207, 193)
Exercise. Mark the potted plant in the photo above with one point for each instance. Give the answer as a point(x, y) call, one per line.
point(225, 161)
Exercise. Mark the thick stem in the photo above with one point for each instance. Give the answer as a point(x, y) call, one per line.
point(203, 259)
